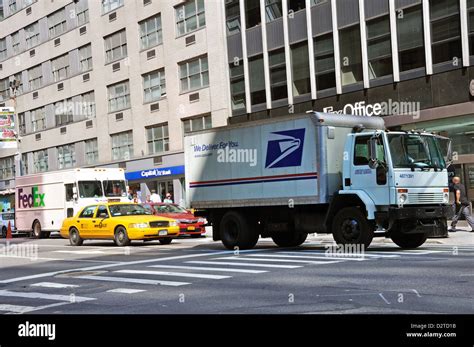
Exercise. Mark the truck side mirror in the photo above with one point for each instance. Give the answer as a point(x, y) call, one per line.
point(373, 162)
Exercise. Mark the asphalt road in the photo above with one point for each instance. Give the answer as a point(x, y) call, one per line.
point(200, 276)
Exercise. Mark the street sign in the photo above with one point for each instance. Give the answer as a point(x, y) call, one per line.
point(7, 128)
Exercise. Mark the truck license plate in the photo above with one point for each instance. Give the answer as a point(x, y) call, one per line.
point(163, 232)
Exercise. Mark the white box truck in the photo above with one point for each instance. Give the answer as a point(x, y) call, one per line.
point(318, 173)
point(44, 200)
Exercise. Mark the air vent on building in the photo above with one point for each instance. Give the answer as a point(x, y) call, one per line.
point(2, 104)
point(1, 67)
point(151, 54)
point(112, 16)
point(155, 107)
point(89, 124)
point(119, 116)
point(194, 97)
point(146, 2)
point(38, 137)
point(7, 184)
point(57, 42)
point(28, 11)
point(157, 160)
point(115, 67)
point(190, 40)
point(85, 77)
point(63, 130)
point(82, 30)
point(32, 53)
point(60, 86)
point(122, 165)
point(35, 95)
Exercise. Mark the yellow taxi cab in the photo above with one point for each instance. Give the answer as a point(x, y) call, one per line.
point(121, 222)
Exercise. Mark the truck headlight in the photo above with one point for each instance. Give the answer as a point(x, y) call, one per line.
point(138, 225)
point(174, 223)
point(402, 198)
point(445, 198)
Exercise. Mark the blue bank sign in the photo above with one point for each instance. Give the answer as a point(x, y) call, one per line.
point(155, 173)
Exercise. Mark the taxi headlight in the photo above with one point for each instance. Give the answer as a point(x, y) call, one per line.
point(174, 223)
point(138, 225)
point(402, 198)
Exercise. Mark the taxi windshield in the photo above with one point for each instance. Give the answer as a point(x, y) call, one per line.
point(128, 210)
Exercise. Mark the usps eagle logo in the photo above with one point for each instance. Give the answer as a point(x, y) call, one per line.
point(285, 148)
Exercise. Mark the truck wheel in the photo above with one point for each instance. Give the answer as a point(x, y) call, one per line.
point(350, 226)
point(121, 237)
point(165, 240)
point(407, 241)
point(236, 231)
point(37, 232)
point(74, 237)
point(289, 239)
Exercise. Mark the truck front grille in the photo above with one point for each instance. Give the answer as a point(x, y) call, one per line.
point(425, 198)
point(159, 224)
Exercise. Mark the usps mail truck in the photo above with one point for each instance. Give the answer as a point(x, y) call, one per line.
point(44, 200)
point(318, 173)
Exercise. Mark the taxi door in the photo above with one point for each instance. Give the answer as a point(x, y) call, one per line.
point(101, 227)
point(84, 221)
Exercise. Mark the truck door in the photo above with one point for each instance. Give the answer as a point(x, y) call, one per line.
point(372, 181)
point(69, 200)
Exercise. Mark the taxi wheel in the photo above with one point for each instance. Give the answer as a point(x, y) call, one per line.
point(74, 237)
point(121, 237)
point(166, 240)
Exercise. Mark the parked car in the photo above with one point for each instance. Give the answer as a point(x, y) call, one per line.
point(188, 223)
point(5, 218)
point(121, 222)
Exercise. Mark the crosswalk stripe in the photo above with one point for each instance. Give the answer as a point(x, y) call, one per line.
point(341, 255)
point(133, 280)
point(126, 291)
point(243, 264)
point(81, 252)
point(285, 260)
point(34, 295)
point(175, 274)
point(53, 285)
point(16, 308)
point(300, 256)
point(201, 268)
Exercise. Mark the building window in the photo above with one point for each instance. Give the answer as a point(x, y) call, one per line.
point(122, 146)
point(273, 9)
point(296, 5)
point(278, 83)
point(35, 77)
point(194, 74)
point(66, 156)
point(470, 6)
point(18, 77)
point(252, 13)
point(379, 47)
point(16, 42)
point(57, 23)
point(3, 49)
point(7, 168)
point(257, 80)
point(119, 96)
point(12, 6)
point(110, 5)
point(40, 161)
point(115, 46)
point(60, 67)
point(300, 65)
point(351, 58)
point(317, 2)
point(4, 89)
point(38, 119)
point(190, 16)
point(154, 85)
point(232, 12)
point(445, 31)
point(32, 35)
point(158, 139)
point(92, 151)
point(324, 62)
point(237, 85)
point(411, 49)
point(85, 58)
point(197, 123)
point(88, 105)
point(82, 15)
point(64, 114)
point(24, 164)
point(22, 123)
point(151, 32)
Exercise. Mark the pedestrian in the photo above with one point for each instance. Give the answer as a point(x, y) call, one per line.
point(461, 205)
point(155, 197)
point(135, 198)
point(130, 195)
point(168, 199)
point(148, 199)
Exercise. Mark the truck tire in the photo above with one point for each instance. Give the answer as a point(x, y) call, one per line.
point(289, 239)
point(121, 237)
point(166, 240)
point(407, 241)
point(37, 232)
point(351, 227)
point(236, 231)
point(74, 237)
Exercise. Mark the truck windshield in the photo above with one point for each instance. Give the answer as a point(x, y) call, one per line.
point(115, 188)
point(90, 189)
point(415, 151)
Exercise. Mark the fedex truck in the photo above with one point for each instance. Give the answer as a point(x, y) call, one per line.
point(318, 173)
point(44, 200)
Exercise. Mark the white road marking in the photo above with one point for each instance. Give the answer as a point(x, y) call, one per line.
point(243, 264)
point(341, 255)
point(305, 257)
point(16, 308)
point(176, 274)
point(53, 285)
point(133, 280)
point(202, 268)
point(34, 295)
point(383, 298)
point(283, 260)
point(81, 252)
point(126, 291)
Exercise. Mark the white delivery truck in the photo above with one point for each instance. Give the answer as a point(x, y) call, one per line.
point(286, 177)
point(44, 200)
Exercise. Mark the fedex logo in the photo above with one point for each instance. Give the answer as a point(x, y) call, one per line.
point(35, 199)
point(285, 148)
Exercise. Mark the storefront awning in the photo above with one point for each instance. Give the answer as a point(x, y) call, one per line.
point(155, 173)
